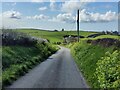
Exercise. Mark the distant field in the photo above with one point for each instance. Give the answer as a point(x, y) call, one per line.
point(53, 36)
point(108, 36)
point(58, 36)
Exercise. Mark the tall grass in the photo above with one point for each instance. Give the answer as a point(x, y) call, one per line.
point(17, 60)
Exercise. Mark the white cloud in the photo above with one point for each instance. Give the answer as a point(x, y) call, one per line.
point(72, 5)
point(58, 0)
point(66, 18)
point(52, 4)
point(12, 14)
point(11, 19)
point(86, 17)
point(88, 0)
point(40, 1)
point(38, 17)
point(97, 17)
point(13, 4)
point(42, 8)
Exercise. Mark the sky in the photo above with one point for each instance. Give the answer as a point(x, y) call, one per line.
point(94, 16)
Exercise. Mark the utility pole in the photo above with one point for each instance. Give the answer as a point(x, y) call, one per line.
point(78, 24)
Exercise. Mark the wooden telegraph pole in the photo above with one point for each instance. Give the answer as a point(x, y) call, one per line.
point(78, 24)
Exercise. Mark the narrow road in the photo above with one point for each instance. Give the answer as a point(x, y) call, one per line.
point(58, 71)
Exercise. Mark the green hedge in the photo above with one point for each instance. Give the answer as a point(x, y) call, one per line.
point(108, 70)
point(88, 59)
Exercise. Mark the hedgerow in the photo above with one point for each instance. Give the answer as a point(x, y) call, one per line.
point(10, 37)
point(21, 53)
point(100, 66)
point(108, 70)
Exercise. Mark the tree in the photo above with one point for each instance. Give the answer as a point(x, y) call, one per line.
point(62, 29)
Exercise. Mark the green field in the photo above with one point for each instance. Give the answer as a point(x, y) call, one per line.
point(51, 35)
point(108, 36)
point(58, 36)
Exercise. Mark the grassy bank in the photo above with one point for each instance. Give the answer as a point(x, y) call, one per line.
point(98, 64)
point(17, 60)
point(12, 54)
point(20, 53)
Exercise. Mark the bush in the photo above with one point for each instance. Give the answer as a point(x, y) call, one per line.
point(108, 70)
point(105, 42)
point(86, 57)
point(10, 37)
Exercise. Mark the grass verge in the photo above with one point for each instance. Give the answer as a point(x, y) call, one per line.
point(17, 60)
point(91, 58)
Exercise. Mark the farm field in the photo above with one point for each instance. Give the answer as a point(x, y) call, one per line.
point(55, 36)
point(108, 36)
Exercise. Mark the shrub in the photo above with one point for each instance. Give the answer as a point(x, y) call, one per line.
point(10, 37)
point(105, 42)
point(108, 70)
point(86, 57)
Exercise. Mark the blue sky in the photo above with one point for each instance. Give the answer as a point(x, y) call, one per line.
point(95, 16)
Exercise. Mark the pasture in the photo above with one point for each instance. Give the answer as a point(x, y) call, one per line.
point(53, 36)
point(57, 36)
